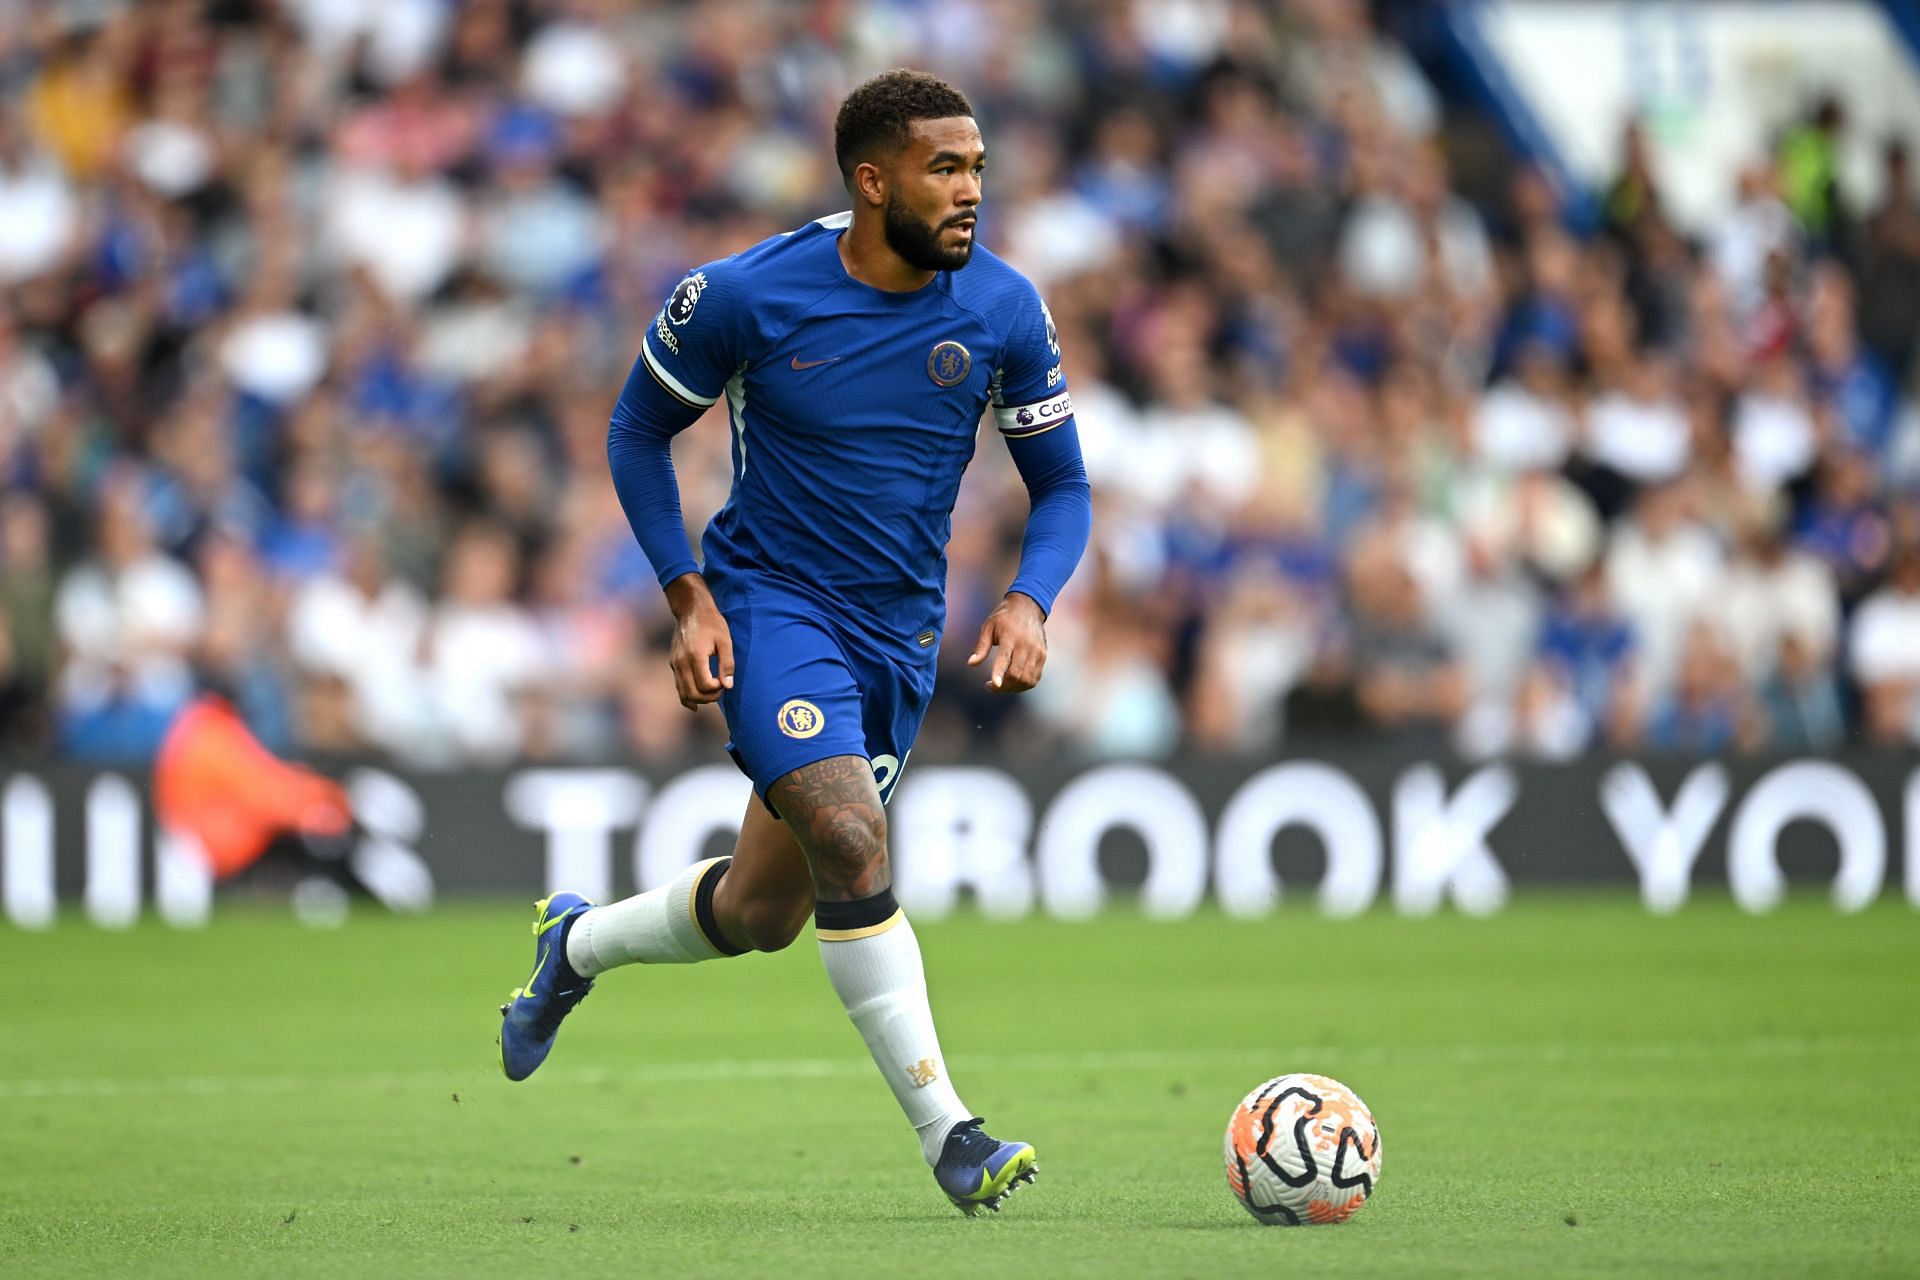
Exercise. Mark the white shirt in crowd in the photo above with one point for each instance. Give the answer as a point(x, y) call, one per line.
point(1757, 228)
point(480, 658)
point(372, 643)
point(141, 620)
point(278, 356)
point(1885, 644)
point(1059, 235)
point(1774, 441)
point(1645, 440)
point(172, 157)
point(1764, 604)
point(1205, 453)
point(1516, 430)
point(408, 235)
point(1661, 585)
point(38, 216)
point(1537, 515)
point(540, 239)
point(574, 68)
point(395, 37)
point(1383, 252)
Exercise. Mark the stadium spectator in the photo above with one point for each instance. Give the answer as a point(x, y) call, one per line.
point(38, 211)
point(1582, 689)
point(1778, 596)
point(1637, 431)
point(357, 630)
point(1406, 676)
point(1524, 422)
point(1890, 266)
point(1885, 658)
point(1412, 230)
point(481, 652)
point(1759, 231)
point(1258, 645)
point(128, 618)
point(1707, 711)
point(1801, 700)
point(1845, 523)
point(1663, 568)
point(311, 315)
point(1492, 620)
point(27, 643)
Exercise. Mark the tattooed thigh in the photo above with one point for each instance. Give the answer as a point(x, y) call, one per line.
point(833, 809)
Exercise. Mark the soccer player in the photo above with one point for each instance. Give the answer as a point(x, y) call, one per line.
point(857, 356)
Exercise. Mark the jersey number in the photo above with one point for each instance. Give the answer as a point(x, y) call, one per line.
point(886, 771)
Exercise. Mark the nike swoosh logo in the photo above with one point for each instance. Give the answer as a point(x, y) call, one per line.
point(798, 363)
point(544, 953)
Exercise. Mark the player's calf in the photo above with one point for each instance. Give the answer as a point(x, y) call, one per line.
point(673, 924)
point(764, 900)
point(869, 950)
point(771, 922)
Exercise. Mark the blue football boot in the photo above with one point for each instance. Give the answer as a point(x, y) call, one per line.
point(531, 1016)
point(978, 1172)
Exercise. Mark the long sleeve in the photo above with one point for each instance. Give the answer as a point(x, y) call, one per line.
point(640, 455)
point(1034, 414)
point(1061, 518)
point(685, 359)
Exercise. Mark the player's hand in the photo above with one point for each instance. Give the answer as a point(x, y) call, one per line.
point(702, 643)
point(1018, 629)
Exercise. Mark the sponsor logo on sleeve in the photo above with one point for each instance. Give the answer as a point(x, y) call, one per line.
point(1030, 419)
point(686, 297)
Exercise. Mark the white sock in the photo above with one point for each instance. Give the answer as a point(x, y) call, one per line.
point(878, 977)
point(655, 927)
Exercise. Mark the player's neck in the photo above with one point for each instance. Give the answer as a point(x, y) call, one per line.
point(868, 258)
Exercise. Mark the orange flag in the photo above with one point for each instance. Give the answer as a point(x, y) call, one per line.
point(213, 781)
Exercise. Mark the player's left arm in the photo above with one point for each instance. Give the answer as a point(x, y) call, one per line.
point(1035, 415)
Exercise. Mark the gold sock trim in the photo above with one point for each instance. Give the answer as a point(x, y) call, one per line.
point(693, 915)
point(853, 935)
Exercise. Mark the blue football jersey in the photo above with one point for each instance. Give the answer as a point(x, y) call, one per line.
point(854, 411)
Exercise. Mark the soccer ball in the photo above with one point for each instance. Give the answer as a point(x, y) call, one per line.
point(1302, 1150)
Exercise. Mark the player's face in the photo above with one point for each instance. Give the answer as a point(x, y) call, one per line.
point(934, 192)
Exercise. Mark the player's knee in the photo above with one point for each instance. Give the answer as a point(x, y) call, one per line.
point(771, 924)
point(851, 854)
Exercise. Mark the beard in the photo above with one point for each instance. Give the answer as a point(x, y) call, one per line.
point(918, 242)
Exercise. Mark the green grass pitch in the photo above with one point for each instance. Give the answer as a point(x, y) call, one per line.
point(1573, 1088)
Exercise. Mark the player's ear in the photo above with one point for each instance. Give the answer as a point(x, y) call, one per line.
point(869, 184)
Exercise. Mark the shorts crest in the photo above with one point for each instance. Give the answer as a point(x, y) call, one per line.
point(799, 718)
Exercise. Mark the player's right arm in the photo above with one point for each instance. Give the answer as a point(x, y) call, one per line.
point(693, 346)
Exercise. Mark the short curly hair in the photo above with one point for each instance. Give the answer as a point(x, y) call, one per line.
point(878, 114)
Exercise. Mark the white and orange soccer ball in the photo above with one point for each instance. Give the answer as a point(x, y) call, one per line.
point(1302, 1150)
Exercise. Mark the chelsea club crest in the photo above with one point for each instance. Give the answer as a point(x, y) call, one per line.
point(949, 363)
point(799, 718)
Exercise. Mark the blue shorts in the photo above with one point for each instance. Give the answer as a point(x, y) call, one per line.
point(808, 685)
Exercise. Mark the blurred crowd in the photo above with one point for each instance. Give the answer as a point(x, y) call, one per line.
point(312, 313)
